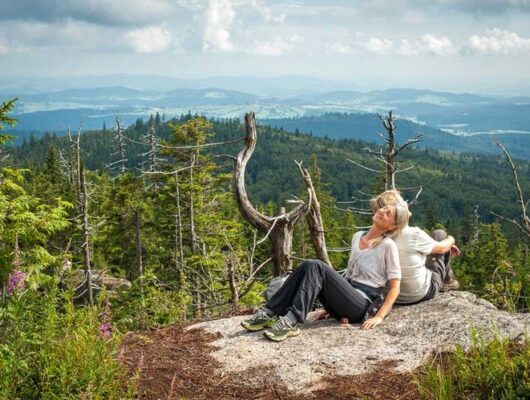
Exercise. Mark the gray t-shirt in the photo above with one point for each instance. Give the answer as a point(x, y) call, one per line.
point(414, 245)
point(373, 266)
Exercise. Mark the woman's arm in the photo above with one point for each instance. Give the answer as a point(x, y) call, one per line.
point(386, 307)
point(443, 246)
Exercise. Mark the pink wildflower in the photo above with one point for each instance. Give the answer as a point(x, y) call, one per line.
point(15, 281)
point(105, 329)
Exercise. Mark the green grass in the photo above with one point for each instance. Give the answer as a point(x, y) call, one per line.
point(496, 369)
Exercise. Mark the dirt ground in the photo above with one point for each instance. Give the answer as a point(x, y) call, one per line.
point(174, 363)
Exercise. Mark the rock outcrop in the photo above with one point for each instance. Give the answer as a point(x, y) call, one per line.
point(408, 337)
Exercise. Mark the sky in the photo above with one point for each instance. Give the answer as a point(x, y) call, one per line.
point(456, 45)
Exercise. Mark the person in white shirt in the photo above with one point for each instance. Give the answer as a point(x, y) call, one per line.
point(425, 260)
point(373, 263)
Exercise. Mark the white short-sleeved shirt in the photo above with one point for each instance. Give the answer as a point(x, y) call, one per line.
point(413, 245)
point(373, 266)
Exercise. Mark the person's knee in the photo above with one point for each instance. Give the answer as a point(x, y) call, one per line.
point(315, 265)
point(305, 264)
point(439, 234)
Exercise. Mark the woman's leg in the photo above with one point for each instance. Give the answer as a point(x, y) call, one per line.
point(282, 300)
point(341, 299)
point(314, 278)
point(440, 266)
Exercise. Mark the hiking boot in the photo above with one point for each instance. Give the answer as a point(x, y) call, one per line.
point(260, 320)
point(282, 329)
point(452, 285)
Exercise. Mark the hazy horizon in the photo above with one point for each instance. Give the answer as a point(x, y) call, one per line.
point(444, 45)
point(144, 82)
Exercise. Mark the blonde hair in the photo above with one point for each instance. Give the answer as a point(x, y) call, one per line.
point(388, 197)
point(391, 198)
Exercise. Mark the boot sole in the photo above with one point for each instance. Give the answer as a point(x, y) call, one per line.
point(281, 338)
point(255, 328)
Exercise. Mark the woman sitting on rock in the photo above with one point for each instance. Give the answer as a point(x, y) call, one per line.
point(425, 261)
point(373, 263)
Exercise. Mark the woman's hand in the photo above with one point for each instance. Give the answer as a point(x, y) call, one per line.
point(322, 314)
point(372, 322)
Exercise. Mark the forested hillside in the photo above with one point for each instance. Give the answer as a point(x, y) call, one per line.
point(366, 127)
point(452, 183)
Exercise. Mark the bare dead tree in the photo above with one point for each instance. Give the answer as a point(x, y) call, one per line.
point(278, 229)
point(523, 221)
point(388, 152)
point(193, 232)
point(230, 273)
point(138, 245)
point(88, 286)
point(86, 240)
point(66, 168)
point(314, 218)
point(153, 160)
point(179, 250)
point(121, 163)
point(76, 145)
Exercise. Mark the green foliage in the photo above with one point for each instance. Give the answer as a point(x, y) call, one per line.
point(149, 304)
point(497, 369)
point(51, 349)
point(488, 268)
point(5, 108)
point(25, 217)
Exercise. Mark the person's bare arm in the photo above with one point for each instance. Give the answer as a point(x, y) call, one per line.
point(386, 307)
point(443, 246)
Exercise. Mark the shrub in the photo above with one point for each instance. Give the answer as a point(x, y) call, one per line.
point(498, 369)
point(150, 305)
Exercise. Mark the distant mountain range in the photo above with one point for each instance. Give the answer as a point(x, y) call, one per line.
point(443, 117)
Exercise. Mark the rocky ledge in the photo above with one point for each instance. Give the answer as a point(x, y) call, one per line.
point(407, 338)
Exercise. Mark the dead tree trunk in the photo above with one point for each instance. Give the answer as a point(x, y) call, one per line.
point(389, 159)
point(232, 282)
point(138, 242)
point(179, 252)
point(122, 161)
point(86, 243)
point(314, 219)
point(121, 146)
point(76, 144)
point(193, 233)
point(278, 229)
point(523, 221)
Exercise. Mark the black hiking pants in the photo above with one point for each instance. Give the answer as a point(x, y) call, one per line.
point(314, 279)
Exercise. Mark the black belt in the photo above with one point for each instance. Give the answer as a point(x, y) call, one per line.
point(372, 292)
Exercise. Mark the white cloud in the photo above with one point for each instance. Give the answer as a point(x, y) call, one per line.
point(427, 44)
point(496, 41)
point(407, 48)
point(275, 47)
point(340, 48)
point(219, 17)
point(266, 12)
point(438, 45)
point(378, 46)
point(149, 40)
